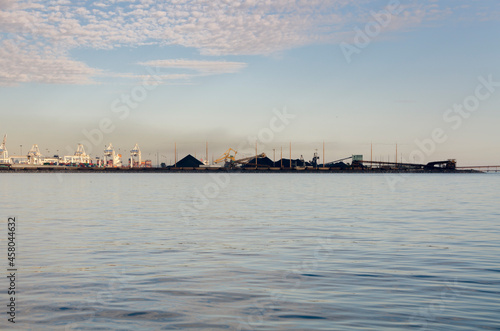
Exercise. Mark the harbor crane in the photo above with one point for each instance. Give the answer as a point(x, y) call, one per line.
point(135, 157)
point(110, 155)
point(80, 157)
point(315, 159)
point(34, 155)
point(4, 154)
point(227, 158)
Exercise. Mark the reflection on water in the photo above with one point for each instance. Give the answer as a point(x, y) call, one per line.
point(255, 251)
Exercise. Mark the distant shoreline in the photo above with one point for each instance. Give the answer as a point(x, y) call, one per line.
point(45, 169)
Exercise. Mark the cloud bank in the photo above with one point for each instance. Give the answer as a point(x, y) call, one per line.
point(36, 36)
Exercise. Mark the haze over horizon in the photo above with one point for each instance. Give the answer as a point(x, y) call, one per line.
point(422, 74)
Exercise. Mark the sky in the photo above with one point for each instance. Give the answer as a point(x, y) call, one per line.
point(358, 77)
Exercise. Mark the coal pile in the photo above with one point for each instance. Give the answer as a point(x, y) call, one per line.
point(261, 162)
point(189, 162)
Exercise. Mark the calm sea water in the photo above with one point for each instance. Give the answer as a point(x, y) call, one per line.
point(254, 251)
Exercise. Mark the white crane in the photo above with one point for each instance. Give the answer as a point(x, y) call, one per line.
point(34, 155)
point(109, 154)
point(80, 151)
point(79, 157)
point(135, 157)
point(4, 154)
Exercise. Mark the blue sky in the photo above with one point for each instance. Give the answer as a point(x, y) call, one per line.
point(218, 71)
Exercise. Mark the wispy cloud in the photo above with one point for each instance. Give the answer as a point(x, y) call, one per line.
point(202, 67)
point(24, 63)
point(37, 36)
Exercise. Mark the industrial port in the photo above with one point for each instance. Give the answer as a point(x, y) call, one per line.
point(111, 161)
